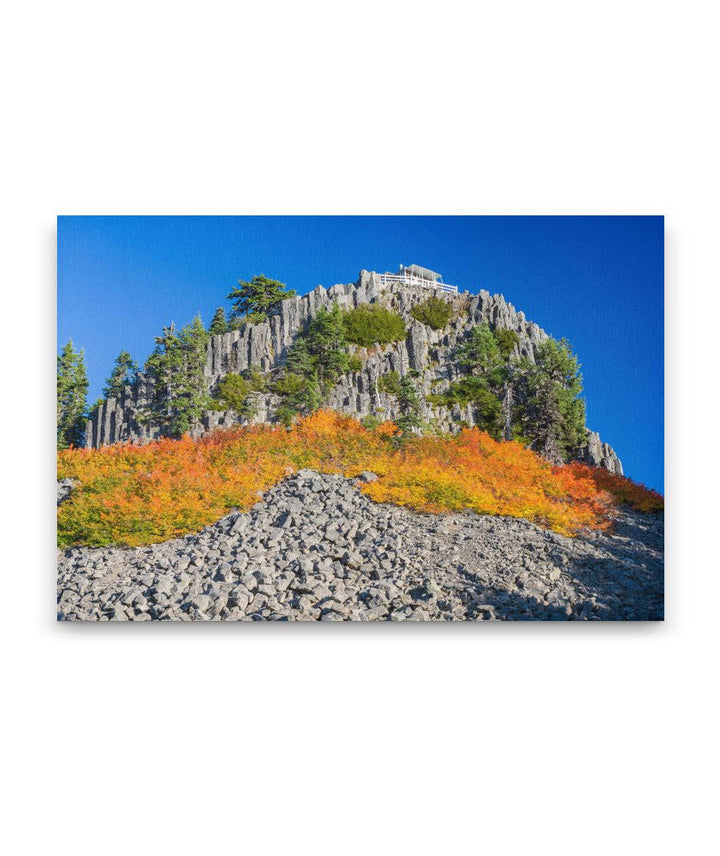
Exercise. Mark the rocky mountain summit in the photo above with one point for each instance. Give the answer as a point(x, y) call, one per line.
point(315, 548)
point(265, 345)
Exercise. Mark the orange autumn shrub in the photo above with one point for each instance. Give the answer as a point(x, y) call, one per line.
point(621, 488)
point(132, 494)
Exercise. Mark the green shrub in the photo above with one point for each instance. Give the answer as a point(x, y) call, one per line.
point(256, 317)
point(434, 312)
point(436, 398)
point(371, 324)
point(232, 393)
point(506, 341)
point(370, 422)
point(474, 390)
point(354, 363)
point(234, 389)
point(255, 379)
point(466, 390)
point(299, 395)
point(390, 383)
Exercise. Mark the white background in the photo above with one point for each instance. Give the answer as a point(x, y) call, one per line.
point(356, 739)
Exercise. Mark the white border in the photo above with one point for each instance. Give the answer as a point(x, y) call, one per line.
point(359, 739)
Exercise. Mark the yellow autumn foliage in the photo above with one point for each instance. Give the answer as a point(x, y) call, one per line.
point(140, 494)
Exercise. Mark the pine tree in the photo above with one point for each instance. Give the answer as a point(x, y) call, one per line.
point(554, 413)
point(544, 420)
point(123, 374)
point(259, 298)
point(299, 360)
point(314, 363)
point(299, 395)
point(487, 356)
point(506, 341)
point(219, 323)
point(191, 394)
point(409, 405)
point(327, 346)
point(479, 354)
point(178, 368)
point(72, 387)
point(163, 365)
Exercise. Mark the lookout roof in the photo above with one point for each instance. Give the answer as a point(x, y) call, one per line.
point(423, 273)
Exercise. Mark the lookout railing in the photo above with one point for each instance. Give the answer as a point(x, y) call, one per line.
point(408, 279)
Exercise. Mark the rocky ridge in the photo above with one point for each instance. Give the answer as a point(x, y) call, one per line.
point(425, 351)
point(315, 548)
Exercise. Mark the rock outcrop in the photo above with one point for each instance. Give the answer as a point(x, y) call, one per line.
point(65, 488)
point(599, 454)
point(316, 549)
point(265, 346)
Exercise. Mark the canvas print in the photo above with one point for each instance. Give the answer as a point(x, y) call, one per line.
point(360, 419)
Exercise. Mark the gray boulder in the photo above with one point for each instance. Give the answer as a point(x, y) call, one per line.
point(65, 488)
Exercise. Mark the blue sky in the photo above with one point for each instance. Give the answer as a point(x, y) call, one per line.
point(598, 281)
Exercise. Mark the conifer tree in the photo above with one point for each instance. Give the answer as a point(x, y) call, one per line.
point(178, 368)
point(409, 405)
point(506, 341)
point(299, 395)
point(123, 374)
point(554, 413)
point(327, 346)
point(299, 361)
point(314, 363)
point(486, 355)
point(480, 353)
point(72, 387)
point(219, 322)
point(258, 298)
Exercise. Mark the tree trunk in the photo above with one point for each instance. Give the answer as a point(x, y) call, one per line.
point(507, 410)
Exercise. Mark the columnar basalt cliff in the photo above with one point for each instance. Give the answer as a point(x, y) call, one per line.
point(265, 345)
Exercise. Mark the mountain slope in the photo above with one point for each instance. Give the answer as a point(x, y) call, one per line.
point(425, 351)
point(315, 548)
